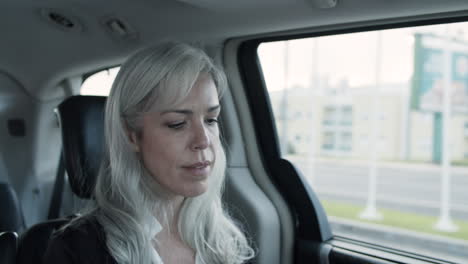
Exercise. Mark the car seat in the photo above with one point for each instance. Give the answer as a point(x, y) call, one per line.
point(11, 223)
point(81, 119)
point(82, 122)
point(11, 218)
point(7, 247)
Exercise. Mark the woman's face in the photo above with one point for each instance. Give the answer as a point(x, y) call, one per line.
point(178, 144)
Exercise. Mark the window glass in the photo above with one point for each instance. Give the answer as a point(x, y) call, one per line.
point(99, 83)
point(385, 115)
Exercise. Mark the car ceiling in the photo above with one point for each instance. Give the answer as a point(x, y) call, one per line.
point(39, 54)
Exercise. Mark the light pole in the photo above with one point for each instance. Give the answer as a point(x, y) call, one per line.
point(370, 212)
point(445, 222)
point(284, 103)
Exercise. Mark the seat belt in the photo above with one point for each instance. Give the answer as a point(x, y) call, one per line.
point(56, 199)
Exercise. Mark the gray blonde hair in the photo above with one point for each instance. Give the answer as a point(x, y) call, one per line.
point(127, 196)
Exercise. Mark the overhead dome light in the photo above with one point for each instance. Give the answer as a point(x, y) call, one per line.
point(119, 28)
point(60, 19)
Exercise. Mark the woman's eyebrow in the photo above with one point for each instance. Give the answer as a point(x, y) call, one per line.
point(189, 112)
point(177, 111)
point(213, 108)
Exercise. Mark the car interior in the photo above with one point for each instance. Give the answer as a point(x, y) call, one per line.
point(52, 135)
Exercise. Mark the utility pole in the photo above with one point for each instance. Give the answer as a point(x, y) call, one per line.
point(370, 212)
point(284, 102)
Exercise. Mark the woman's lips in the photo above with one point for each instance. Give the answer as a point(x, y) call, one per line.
point(199, 168)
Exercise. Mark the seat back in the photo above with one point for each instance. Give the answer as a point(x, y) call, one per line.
point(11, 218)
point(8, 247)
point(81, 119)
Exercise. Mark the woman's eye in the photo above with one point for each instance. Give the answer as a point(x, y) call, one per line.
point(212, 121)
point(178, 125)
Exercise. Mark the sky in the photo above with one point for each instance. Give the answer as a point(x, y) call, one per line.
point(351, 57)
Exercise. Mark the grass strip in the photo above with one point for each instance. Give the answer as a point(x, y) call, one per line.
point(394, 218)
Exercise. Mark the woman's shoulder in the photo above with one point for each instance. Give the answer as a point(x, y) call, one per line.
point(80, 241)
point(86, 226)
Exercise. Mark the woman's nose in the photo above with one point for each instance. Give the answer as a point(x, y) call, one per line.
point(201, 139)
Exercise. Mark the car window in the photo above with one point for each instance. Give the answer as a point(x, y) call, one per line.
point(99, 83)
point(367, 119)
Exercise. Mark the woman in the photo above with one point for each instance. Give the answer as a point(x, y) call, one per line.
point(158, 195)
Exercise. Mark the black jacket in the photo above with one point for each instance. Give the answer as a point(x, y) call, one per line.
point(83, 242)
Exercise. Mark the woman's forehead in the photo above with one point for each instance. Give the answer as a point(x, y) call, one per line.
point(203, 94)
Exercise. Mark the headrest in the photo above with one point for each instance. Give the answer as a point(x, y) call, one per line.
point(82, 121)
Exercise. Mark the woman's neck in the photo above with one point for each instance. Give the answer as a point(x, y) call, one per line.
point(176, 205)
point(171, 247)
point(169, 222)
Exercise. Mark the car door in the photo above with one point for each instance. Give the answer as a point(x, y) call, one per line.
point(357, 132)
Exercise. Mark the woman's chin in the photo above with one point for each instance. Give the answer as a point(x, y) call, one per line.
point(197, 189)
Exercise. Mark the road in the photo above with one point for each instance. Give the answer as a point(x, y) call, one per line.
point(401, 186)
